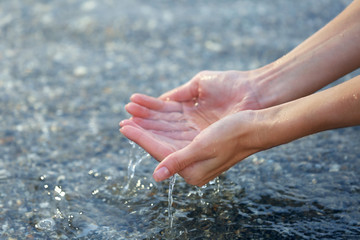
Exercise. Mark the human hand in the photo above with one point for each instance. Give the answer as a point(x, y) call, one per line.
point(193, 114)
point(215, 149)
point(167, 124)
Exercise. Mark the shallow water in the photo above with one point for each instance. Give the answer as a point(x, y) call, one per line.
point(296, 191)
point(68, 68)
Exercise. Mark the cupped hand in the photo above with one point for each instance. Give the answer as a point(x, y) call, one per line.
point(214, 150)
point(167, 124)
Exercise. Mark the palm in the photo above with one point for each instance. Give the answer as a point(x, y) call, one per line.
point(166, 124)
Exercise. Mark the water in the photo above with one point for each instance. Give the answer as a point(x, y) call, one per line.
point(170, 200)
point(135, 160)
point(283, 193)
point(46, 224)
point(69, 67)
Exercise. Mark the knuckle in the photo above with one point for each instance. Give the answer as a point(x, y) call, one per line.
point(201, 74)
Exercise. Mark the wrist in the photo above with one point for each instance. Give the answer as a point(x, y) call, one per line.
point(270, 84)
point(286, 122)
point(332, 108)
point(288, 78)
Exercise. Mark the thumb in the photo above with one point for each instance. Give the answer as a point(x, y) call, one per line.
point(179, 160)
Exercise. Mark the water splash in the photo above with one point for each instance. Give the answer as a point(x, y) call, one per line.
point(213, 185)
point(200, 192)
point(135, 160)
point(216, 182)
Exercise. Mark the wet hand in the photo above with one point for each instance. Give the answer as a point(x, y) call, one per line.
point(171, 122)
point(214, 150)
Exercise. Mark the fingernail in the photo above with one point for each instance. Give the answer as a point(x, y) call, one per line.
point(161, 174)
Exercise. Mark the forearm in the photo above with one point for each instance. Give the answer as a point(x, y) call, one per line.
point(335, 107)
point(327, 55)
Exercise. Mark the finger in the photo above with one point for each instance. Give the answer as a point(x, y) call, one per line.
point(137, 110)
point(154, 142)
point(177, 135)
point(183, 132)
point(186, 92)
point(126, 122)
point(162, 125)
point(142, 112)
point(156, 103)
point(173, 130)
point(147, 101)
point(179, 160)
point(153, 146)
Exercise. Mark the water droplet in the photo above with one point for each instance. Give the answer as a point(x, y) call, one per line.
point(199, 191)
point(44, 205)
point(334, 168)
point(46, 224)
point(80, 71)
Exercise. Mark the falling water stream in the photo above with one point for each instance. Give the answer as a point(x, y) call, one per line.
point(134, 160)
point(170, 200)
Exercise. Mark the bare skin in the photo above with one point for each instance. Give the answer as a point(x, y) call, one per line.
point(173, 120)
point(206, 126)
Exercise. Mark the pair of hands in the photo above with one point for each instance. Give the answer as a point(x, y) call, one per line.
point(204, 127)
point(198, 130)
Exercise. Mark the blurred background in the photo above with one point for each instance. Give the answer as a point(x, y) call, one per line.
point(67, 68)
